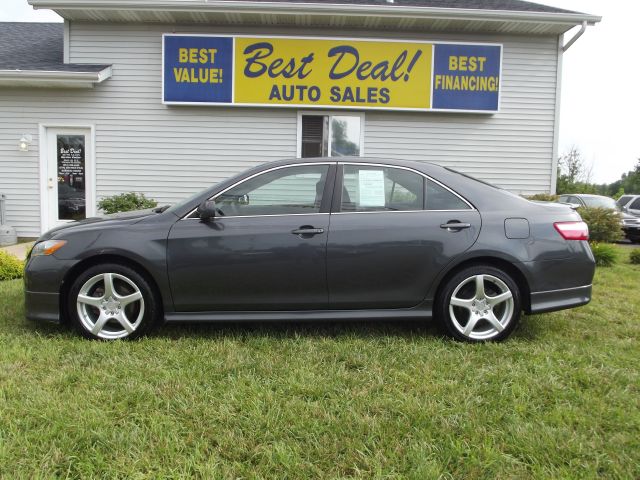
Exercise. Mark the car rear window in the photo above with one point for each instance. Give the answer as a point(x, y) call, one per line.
point(474, 178)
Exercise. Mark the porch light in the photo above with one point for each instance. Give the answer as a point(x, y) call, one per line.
point(25, 141)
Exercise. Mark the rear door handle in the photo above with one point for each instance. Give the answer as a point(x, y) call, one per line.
point(307, 230)
point(455, 225)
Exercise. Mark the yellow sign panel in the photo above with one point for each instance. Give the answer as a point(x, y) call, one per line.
point(346, 73)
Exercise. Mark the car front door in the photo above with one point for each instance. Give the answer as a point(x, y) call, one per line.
point(389, 238)
point(264, 250)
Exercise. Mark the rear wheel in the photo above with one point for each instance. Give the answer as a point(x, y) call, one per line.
point(112, 301)
point(480, 303)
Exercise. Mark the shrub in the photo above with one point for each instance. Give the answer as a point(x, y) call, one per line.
point(634, 256)
point(10, 266)
point(542, 197)
point(605, 254)
point(604, 224)
point(126, 202)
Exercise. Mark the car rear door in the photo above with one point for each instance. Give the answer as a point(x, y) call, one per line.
point(265, 250)
point(392, 231)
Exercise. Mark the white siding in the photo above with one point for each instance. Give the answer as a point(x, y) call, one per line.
point(169, 152)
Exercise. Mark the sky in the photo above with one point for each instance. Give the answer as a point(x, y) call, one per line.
point(600, 99)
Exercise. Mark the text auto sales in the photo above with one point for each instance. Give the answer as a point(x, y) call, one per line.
point(347, 63)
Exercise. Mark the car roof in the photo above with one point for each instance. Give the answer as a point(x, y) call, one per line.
point(418, 165)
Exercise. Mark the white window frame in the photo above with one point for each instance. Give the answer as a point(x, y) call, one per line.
point(330, 113)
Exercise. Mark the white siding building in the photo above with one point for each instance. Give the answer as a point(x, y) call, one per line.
point(93, 90)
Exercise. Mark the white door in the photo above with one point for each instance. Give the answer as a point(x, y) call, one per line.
point(68, 176)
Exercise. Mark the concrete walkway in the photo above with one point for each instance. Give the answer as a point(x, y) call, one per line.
point(20, 250)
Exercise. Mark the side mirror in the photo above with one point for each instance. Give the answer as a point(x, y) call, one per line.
point(207, 210)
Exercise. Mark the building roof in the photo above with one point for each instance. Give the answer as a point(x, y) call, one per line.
point(478, 16)
point(33, 53)
point(509, 5)
point(36, 46)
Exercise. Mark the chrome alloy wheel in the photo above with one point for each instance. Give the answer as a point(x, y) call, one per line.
point(110, 306)
point(481, 307)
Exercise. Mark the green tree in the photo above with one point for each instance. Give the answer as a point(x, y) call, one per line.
point(573, 174)
point(631, 180)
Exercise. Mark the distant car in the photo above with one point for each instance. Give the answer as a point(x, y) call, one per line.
point(629, 204)
point(629, 222)
point(588, 200)
point(318, 239)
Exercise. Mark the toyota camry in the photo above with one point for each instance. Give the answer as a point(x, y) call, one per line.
point(318, 239)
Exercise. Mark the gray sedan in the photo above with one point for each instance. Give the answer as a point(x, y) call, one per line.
point(318, 239)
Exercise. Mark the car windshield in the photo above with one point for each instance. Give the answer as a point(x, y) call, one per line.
point(186, 201)
point(600, 202)
point(623, 200)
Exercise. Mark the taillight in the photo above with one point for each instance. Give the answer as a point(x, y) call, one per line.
point(572, 230)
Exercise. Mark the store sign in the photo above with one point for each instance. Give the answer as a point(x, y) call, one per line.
point(330, 73)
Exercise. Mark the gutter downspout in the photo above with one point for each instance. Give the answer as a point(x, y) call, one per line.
point(556, 118)
point(573, 39)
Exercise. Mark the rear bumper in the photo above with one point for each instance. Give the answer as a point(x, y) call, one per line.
point(42, 306)
point(553, 300)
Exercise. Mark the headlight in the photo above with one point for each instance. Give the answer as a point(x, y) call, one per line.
point(48, 247)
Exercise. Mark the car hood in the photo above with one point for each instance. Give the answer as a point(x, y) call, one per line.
point(105, 220)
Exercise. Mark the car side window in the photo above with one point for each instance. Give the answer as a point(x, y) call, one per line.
point(284, 191)
point(439, 198)
point(370, 188)
point(635, 205)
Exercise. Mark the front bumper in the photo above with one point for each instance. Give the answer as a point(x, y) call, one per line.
point(43, 280)
point(42, 306)
point(631, 231)
point(560, 299)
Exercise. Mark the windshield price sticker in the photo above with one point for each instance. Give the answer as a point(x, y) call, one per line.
point(371, 188)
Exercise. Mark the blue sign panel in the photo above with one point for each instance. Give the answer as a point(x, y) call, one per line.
point(466, 77)
point(198, 69)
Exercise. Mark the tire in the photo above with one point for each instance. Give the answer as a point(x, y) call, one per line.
point(129, 313)
point(473, 314)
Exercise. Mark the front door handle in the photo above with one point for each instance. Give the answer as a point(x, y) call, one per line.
point(307, 230)
point(454, 225)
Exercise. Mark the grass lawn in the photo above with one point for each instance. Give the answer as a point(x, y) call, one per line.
point(561, 399)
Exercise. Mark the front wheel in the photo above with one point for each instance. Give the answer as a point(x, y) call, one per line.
point(480, 303)
point(112, 301)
